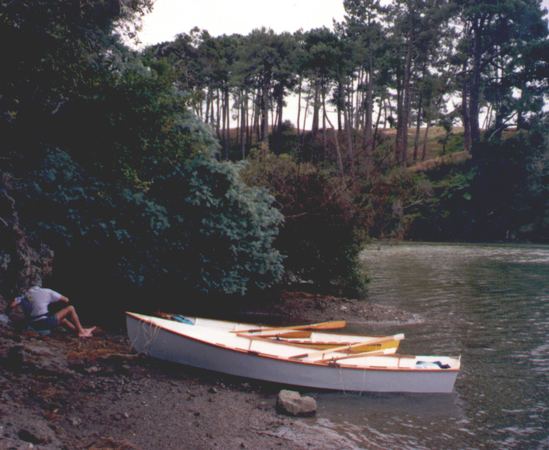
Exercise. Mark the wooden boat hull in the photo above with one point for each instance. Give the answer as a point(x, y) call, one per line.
point(177, 344)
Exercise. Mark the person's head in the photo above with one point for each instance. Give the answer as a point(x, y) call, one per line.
point(36, 281)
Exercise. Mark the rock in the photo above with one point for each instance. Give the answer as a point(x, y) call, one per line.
point(37, 356)
point(75, 421)
point(14, 444)
point(92, 369)
point(36, 433)
point(15, 357)
point(109, 442)
point(293, 404)
point(212, 390)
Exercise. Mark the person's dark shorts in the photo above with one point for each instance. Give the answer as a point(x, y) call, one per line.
point(47, 323)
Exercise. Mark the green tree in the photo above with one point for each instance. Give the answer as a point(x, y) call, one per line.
point(55, 49)
point(496, 42)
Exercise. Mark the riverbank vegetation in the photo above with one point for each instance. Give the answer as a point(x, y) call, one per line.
point(175, 172)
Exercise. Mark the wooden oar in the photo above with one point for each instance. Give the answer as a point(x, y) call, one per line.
point(347, 348)
point(352, 355)
point(286, 334)
point(331, 325)
point(324, 345)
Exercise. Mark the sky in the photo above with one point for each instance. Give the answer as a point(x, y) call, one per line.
point(170, 17)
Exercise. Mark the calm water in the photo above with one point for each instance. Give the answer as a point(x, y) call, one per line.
point(489, 303)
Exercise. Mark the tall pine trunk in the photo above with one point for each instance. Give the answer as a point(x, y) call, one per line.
point(465, 116)
point(368, 113)
point(404, 108)
point(474, 98)
point(418, 128)
point(299, 105)
point(316, 108)
point(425, 137)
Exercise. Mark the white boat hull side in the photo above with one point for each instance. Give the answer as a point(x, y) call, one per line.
point(167, 345)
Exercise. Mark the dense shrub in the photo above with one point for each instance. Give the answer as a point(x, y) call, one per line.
point(221, 231)
point(323, 229)
point(510, 191)
point(198, 230)
point(390, 200)
point(114, 173)
point(502, 194)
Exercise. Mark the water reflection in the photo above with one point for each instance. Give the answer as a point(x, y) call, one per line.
point(489, 303)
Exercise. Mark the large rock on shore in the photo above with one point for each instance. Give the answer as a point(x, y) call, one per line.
point(293, 404)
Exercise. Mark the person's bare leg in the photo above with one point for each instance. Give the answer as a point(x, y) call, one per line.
point(67, 323)
point(69, 314)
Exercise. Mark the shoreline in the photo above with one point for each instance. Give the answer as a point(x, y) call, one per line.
point(65, 392)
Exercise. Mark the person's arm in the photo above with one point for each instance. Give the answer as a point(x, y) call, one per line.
point(12, 305)
point(56, 297)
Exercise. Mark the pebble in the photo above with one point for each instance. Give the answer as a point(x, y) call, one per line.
point(75, 421)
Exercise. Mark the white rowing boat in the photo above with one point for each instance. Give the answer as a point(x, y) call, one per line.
point(232, 353)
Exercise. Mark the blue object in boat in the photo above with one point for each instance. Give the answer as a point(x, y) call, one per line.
point(182, 319)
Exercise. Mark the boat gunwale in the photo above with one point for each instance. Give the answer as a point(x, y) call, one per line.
point(308, 363)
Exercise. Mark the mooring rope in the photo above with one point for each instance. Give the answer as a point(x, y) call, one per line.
point(150, 332)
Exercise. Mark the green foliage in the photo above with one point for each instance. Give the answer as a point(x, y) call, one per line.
point(445, 215)
point(115, 174)
point(221, 230)
point(56, 48)
point(135, 121)
point(198, 229)
point(323, 230)
point(509, 192)
point(500, 195)
point(390, 200)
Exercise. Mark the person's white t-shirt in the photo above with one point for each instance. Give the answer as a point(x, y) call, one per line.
point(40, 298)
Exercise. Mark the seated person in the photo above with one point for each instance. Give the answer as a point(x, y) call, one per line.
point(35, 304)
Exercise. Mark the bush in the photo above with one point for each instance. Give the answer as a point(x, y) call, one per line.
point(197, 230)
point(221, 231)
point(323, 231)
point(500, 195)
point(510, 191)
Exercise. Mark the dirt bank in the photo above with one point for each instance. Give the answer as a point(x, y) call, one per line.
point(64, 392)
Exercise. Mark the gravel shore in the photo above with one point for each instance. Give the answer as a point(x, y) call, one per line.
point(65, 392)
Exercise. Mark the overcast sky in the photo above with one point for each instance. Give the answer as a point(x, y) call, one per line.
point(170, 17)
